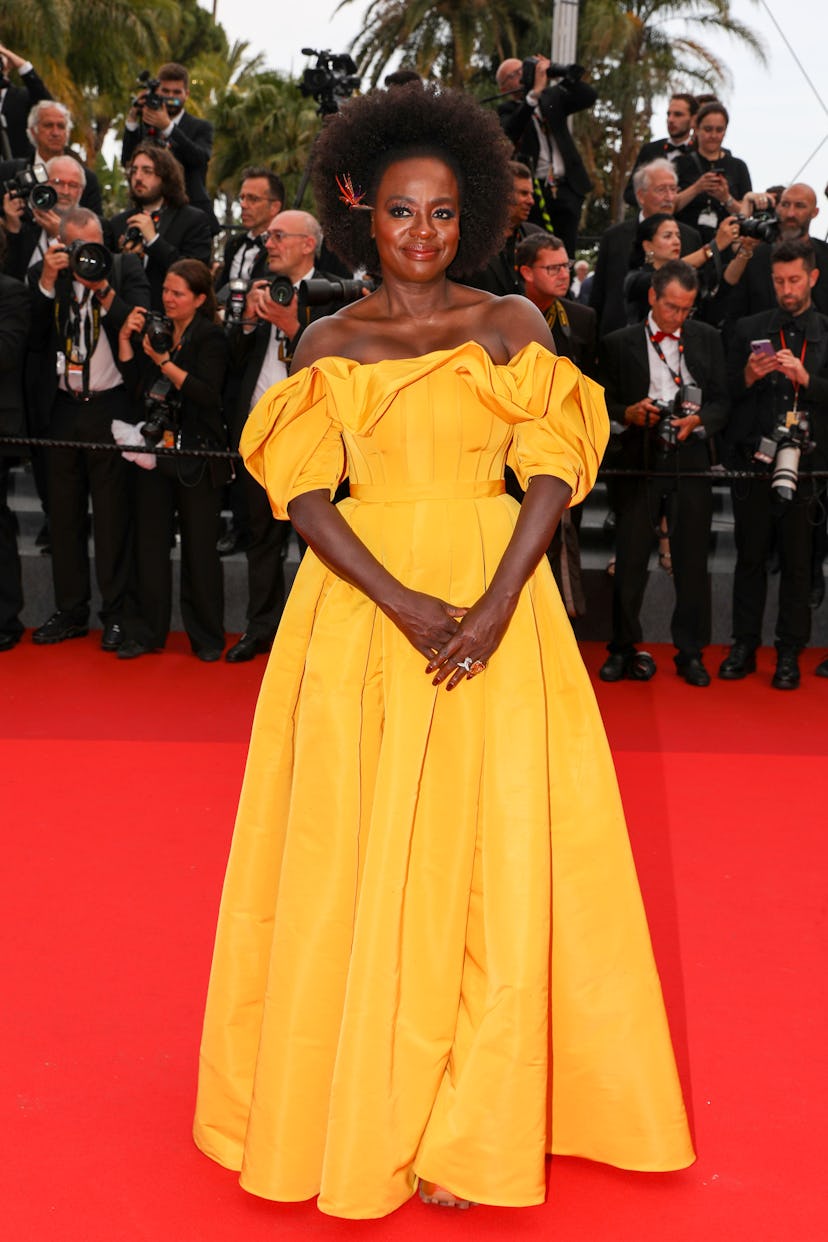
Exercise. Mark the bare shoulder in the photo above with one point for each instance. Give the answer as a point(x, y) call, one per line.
point(325, 338)
point(519, 322)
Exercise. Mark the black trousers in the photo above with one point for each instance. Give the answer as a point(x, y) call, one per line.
point(11, 586)
point(265, 561)
point(75, 474)
point(756, 514)
point(688, 505)
point(159, 496)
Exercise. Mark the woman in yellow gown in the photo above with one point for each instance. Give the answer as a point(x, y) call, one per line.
point(432, 962)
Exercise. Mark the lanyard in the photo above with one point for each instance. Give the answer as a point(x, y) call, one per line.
point(657, 347)
point(81, 334)
point(796, 383)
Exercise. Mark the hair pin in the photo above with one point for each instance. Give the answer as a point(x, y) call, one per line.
point(348, 195)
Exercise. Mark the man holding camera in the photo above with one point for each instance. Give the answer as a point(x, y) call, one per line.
point(16, 103)
point(666, 394)
point(260, 351)
point(160, 227)
point(31, 229)
point(778, 373)
point(158, 115)
point(76, 318)
point(534, 118)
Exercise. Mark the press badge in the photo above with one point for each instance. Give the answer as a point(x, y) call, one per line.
point(792, 418)
point(708, 219)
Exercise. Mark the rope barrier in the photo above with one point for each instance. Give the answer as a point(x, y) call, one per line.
point(715, 474)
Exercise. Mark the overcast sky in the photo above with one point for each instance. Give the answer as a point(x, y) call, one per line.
point(776, 120)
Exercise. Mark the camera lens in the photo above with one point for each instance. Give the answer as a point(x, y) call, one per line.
point(91, 261)
point(282, 290)
point(43, 197)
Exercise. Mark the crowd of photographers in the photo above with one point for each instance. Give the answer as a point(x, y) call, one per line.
point(704, 315)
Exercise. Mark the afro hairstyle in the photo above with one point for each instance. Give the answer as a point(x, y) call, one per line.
point(373, 131)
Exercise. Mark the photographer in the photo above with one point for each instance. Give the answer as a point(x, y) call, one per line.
point(666, 392)
point(15, 311)
point(712, 182)
point(177, 383)
point(160, 227)
point(159, 116)
point(30, 230)
point(76, 319)
point(535, 121)
point(15, 104)
point(778, 373)
point(260, 350)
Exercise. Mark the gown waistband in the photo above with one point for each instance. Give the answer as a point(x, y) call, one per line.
point(452, 490)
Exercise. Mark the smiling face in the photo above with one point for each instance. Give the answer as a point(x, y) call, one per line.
point(416, 220)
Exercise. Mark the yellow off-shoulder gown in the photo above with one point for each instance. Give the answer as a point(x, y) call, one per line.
point(432, 957)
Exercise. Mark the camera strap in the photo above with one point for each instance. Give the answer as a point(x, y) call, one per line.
point(81, 333)
point(676, 375)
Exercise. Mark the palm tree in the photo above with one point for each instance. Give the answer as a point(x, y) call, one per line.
point(447, 39)
point(637, 51)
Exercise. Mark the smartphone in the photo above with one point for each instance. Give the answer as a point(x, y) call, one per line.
point(762, 347)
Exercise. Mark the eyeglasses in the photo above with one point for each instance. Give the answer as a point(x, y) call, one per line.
point(253, 198)
point(552, 268)
point(68, 185)
point(278, 236)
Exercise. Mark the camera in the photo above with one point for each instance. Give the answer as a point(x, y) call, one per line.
point(783, 449)
point(318, 291)
point(237, 291)
point(162, 405)
point(282, 290)
point(763, 226)
point(158, 330)
point(664, 431)
point(333, 78)
point(88, 260)
point(151, 98)
point(31, 184)
point(132, 236)
point(569, 74)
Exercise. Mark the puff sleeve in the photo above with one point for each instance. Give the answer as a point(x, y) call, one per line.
point(292, 440)
point(565, 427)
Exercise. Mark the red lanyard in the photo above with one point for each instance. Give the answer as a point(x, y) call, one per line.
point(657, 347)
point(796, 383)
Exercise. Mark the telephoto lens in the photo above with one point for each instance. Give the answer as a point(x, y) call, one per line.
point(282, 290)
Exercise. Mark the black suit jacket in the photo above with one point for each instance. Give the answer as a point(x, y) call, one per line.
point(191, 142)
point(759, 409)
point(183, 233)
point(231, 249)
point(49, 318)
point(15, 314)
point(578, 341)
point(556, 103)
point(17, 103)
point(611, 267)
point(625, 373)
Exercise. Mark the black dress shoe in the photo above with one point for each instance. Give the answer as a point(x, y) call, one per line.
point(60, 626)
point(821, 670)
point(131, 649)
point(112, 636)
point(209, 654)
point(7, 641)
point(246, 648)
point(633, 665)
point(740, 661)
point(786, 676)
point(231, 542)
point(693, 672)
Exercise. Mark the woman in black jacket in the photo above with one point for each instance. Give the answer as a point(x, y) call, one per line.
point(180, 388)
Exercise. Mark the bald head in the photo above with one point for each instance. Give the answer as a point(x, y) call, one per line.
point(295, 238)
point(508, 75)
point(795, 210)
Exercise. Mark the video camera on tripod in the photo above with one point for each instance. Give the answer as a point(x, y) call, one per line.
point(333, 78)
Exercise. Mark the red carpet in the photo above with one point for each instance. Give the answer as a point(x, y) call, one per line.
point(119, 788)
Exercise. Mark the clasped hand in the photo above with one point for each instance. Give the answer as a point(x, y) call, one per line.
point(449, 634)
